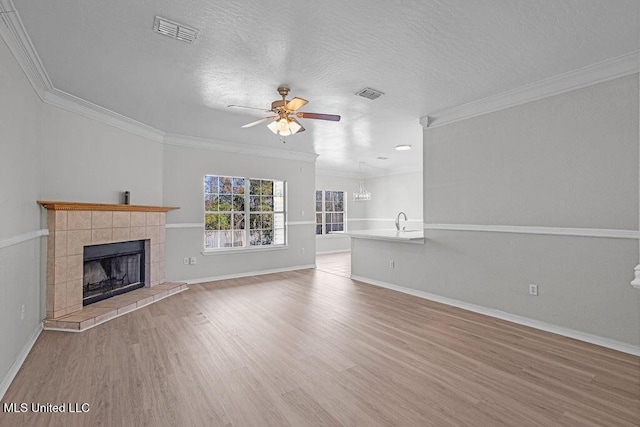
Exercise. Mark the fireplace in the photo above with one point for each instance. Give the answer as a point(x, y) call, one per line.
point(112, 269)
point(75, 226)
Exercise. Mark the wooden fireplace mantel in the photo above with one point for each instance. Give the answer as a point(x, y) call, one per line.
point(78, 206)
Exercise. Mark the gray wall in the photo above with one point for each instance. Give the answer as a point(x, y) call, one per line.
point(88, 161)
point(20, 109)
point(184, 170)
point(566, 161)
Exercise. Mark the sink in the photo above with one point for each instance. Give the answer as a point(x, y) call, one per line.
point(408, 231)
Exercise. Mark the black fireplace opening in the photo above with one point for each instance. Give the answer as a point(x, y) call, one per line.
point(112, 269)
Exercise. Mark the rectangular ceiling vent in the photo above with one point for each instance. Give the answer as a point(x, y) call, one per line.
point(175, 30)
point(369, 93)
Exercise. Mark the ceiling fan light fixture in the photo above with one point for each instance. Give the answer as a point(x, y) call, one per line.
point(280, 122)
point(294, 127)
point(273, 127)
point(284, 127)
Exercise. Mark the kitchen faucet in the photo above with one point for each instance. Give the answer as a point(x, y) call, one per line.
point(398, 220)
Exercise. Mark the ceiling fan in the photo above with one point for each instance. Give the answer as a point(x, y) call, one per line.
point(284, 114)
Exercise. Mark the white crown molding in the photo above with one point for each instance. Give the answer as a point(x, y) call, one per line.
point(557, 231)
point(19, 238)
point(90, 110)
point(582, 77)
point(252, 150)
point(19, 43)
point(498, 314)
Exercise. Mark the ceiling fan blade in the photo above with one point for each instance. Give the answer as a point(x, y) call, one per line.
point(330, 117)
point(302, 129)
point(249, 108)
point(257, 122)
point(295, 103)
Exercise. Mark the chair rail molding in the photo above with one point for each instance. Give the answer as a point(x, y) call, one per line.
point(557, 231)
point(19, 238)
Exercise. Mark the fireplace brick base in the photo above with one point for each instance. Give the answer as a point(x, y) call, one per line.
point(71, 229)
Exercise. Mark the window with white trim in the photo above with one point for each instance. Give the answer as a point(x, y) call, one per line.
point(331, 212)
point(242, 212)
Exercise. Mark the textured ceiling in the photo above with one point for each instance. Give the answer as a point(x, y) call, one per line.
point(425, 55)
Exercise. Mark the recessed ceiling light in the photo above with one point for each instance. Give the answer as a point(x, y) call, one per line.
point(403, 147)
point(382, 158)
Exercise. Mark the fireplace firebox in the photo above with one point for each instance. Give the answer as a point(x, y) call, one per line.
point(112, 269)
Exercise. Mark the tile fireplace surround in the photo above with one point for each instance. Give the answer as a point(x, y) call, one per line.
point(72, 226)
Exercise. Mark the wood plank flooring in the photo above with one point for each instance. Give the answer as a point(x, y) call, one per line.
point(337, 263)
point(310, 348)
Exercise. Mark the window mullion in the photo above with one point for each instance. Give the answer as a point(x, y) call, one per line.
point(247, 211)
point(324, 212)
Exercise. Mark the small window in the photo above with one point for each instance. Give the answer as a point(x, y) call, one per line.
point(241, 212)
point(330, 212)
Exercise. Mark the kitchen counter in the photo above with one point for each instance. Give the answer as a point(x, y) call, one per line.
point(406, 236)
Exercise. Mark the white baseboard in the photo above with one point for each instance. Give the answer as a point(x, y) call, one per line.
point(337, 251)
point(521, 320)
point(247, 274)
point(13, 370)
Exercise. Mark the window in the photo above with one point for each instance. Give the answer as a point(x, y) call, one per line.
point(242, 212)
point(330, 212)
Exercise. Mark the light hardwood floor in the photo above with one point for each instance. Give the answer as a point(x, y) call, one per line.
point(337, 263)
point(311, 348)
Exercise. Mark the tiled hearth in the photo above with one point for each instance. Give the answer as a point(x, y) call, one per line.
point(118, 305)
point(72, 226)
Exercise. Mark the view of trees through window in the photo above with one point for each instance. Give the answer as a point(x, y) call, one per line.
point(330, 212)
point(241, 212)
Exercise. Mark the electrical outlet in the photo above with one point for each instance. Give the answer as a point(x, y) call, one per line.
point(22, 312)
point(392, 264)
point(533, 289)
point(192, 260)
point(185, 261)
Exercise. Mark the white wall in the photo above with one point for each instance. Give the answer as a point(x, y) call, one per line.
point(566, 161)
point(184, 170)
point(20, 264)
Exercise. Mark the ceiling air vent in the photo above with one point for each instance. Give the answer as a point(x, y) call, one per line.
point(175, 30)
point(369, 93)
